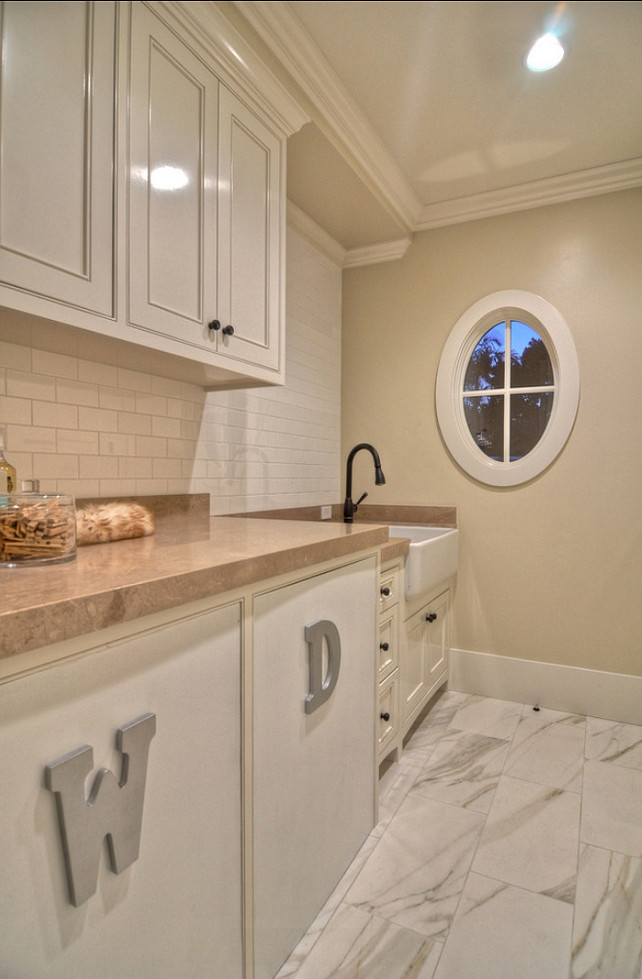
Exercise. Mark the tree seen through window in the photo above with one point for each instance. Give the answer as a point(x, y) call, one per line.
point(508, 401)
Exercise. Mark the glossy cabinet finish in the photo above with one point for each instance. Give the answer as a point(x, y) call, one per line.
point(57, 146)
point(172, 185)
point(250, 232)
point(142, 198)
point(204, 205)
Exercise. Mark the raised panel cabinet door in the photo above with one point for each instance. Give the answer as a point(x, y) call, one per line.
point(412, 673)
point(57, 151)
point(250, 236)
point(173, 186)
point(176, 910)
point(423, 662)
point(314, 773)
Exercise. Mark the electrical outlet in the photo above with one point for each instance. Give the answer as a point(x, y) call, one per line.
point(326, 512)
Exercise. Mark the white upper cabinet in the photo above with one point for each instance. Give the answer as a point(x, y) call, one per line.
point(142, 189)
point(250, 226)
point(173, 182)
point(57, 145)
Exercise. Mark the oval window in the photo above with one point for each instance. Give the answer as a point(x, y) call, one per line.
point(507, 388)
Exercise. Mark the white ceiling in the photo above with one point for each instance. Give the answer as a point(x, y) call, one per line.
point(424, 114)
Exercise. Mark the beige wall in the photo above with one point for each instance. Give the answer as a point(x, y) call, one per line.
point(551, 570)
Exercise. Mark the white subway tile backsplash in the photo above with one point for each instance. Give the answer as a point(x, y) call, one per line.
point(31, 438)
point(54, 415)
point(117, 445)
point(129, 423)
point(17, 410)
point(117, 400)
point(134, 380)
point(76, 392)
point(151, 447)
point(59, 365)
point(151, 404)
point(55, 466)
point(76, 443)
point(15, 356)
point(98, 467)
point(31, 385)
point(98, 419)
point(135, 468)
point(95, 430)
point(101, 374)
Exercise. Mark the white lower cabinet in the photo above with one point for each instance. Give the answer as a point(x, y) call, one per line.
point(391, 583)
point(176, 910)
point(424, 661)
point(314, 771)
point(250, 727)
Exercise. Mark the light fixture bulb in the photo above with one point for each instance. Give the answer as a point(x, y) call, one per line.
point(546, 53)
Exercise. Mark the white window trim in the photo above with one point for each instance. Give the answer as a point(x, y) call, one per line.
point(456, 354)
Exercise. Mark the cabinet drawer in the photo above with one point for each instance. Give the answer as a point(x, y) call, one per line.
point(388, 711)
point(388, 589)
point(388, 652)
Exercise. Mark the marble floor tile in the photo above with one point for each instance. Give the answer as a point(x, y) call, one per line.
point(548, 747)
point(472, 871)
point(620, 744)
point(531, 837)
point(485, 715)
point(416, 874)
point(503, 932)
point(427, 734)
point(612, 807)
point(607, 933)
point(394, 785)
point(356, 945)
point(299, 954)
point(463, 770)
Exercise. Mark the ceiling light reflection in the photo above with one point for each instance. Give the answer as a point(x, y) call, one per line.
point(169, 178)
point(546, 53)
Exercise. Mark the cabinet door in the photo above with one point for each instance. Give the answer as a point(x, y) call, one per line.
point(177, 909)
point(314, 773)
point(423, 663)
point(173, 186)
point(250, 236)
point(57, 150)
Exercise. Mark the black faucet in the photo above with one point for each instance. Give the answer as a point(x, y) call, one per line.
point(350, 508)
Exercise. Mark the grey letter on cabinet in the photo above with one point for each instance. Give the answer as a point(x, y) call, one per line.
point(321, 686)
point(113, 810)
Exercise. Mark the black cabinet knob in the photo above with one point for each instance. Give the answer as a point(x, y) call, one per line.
point(228, 331)
point(385, 716)
point(385, 646)
point(431, 617)
point(214, 325)
point(385, 592)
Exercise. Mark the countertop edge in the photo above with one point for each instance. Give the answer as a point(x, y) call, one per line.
point(27, 629)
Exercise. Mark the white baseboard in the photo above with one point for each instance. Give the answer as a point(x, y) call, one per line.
point(614, 696)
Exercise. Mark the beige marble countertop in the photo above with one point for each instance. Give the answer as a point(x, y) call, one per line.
point(188, 558)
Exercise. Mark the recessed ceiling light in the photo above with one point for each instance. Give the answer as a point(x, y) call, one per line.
point(545, 53)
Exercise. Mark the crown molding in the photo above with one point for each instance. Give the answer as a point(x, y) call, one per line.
point(239, 65)
point(537, 193)
point(281, 31)
point(386, 251)
point(308, 229)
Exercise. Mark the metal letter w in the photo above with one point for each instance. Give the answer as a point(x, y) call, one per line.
point(113, 810)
